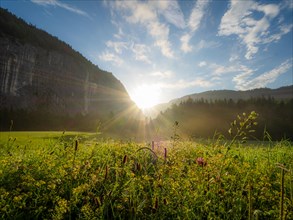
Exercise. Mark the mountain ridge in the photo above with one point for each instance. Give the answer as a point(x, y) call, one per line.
point(40, 73)
point(281, 93)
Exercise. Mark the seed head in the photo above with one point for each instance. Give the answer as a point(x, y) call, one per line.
point(165, 154)
point(76, 145)
point(124, 159)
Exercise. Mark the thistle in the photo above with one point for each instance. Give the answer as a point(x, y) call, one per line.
point(201, 162)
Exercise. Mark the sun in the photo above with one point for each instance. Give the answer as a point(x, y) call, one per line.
point(146, 96)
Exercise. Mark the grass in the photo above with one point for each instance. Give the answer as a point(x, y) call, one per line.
point(55, 175)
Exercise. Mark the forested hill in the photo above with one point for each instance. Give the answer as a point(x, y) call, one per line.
point(202, 115)
point(283, 93)
point(202, 118)
point(42, 80)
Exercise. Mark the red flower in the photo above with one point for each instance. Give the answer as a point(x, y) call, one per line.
point(201, 162)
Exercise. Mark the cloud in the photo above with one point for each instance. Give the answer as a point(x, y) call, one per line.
point(244, 82)
point(193, 24)
point(284, 29)
point(240, 20)
point(202, 63)
point(288, 4)
point(111, 57)
point(61, 5)
point(161, 33)
point(203, 44)
point(117, 46)
point(217, 71)
point(185, 46)
point(162, 75)
point(120, 33)
point(140, 52)
point(220, 70)
point(233, 58)
point(146, 14)
point(172, 12)
point(183, 84)
point(197, 15)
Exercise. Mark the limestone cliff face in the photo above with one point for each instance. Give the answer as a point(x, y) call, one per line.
point(57, 80)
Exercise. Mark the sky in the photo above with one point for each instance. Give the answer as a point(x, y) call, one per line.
point(161, 50)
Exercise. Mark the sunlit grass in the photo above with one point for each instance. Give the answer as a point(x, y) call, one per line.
point(55, 175)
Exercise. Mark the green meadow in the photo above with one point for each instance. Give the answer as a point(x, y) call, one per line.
point(73, 175)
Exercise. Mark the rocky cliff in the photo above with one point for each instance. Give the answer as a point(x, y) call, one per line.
point(37, 71)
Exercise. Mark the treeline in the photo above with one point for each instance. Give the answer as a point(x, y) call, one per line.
point(202, 118)
point(110, 125)
point(189, 119)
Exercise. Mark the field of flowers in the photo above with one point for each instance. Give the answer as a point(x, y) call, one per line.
point(76, 176)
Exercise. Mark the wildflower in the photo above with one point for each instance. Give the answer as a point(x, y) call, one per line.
point(61, 207)
point(17, 198)
point(201, 162)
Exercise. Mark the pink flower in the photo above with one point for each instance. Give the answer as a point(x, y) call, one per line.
point(201, 162)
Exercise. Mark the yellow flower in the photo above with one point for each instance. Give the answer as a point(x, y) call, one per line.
point(17, 198)
point(52, 186)
point(86, 210)
point(94, 178)
point(80, 189)
point(62, 206)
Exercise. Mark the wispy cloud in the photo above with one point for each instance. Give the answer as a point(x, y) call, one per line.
point(141, 52)
point(197, 15)
point(233, 57)
point(146, 14)
point(118, 46)
point(57, 3)
point(185, 46)
point(243, 81)
point(163, 75)
point(217, 71)
point(202, 64)
point(195, 19)
point(203, 44)
point(171, 12)
point(240, 20)
point(120, 33)
point(220, 70)
point(111, 57)
point(183, 84)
